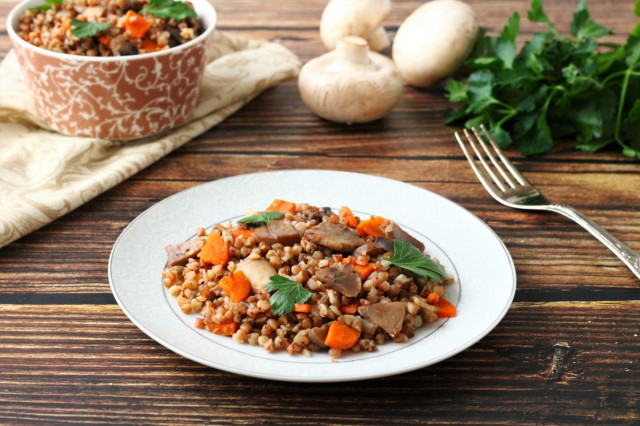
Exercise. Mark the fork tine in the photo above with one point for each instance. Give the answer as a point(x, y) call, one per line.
point(519, 177)
point(484, 179)
point(484, 163)
point(496, 164)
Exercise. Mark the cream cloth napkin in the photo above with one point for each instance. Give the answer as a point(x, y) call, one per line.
point(44, 175)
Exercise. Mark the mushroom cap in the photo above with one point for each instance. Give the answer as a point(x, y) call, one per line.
point(347, 92)
point(434, 41)
point(361, 18)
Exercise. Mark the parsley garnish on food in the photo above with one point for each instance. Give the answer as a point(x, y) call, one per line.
point(48, 4)
point(287, 293)
point(556, 87)
point(407, 256)
point(169, 9)
point(261, 218)
point(82, 29)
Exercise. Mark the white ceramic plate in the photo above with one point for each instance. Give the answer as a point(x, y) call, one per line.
point(484, 287)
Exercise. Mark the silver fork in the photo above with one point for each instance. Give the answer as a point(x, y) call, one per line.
point(510, 188)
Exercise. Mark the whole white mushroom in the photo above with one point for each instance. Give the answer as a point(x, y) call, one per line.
point(434, 41)
point(350, 84)
point(361, 18)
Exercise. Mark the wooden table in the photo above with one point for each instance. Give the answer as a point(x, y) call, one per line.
point(567, 351)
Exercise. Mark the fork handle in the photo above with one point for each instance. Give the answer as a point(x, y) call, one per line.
point(620, 249)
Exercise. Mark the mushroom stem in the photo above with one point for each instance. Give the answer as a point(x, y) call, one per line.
point(352, 50)
point(379, 39)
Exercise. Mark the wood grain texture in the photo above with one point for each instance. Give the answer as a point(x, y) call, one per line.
point(545, 363)
point(568, 351)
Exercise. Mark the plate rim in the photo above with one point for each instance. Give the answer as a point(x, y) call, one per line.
point(327, 379)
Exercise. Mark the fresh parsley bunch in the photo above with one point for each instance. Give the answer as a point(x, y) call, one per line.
point(555, 87)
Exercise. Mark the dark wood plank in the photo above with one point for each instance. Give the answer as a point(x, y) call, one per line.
point(545, 363)
point(567, 352)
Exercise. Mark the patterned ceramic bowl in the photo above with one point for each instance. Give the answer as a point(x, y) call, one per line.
point(120, 97)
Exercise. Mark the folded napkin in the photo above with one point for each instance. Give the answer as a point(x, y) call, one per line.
point(44, 175)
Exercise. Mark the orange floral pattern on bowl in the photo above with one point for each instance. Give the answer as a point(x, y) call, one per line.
point(126, 99)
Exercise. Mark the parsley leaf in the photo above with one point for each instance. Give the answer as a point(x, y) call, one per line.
point(261, 218)
point(48, 4)
point(556, 87)
point(287, 293)
point(506, 44)
point(457, 91)
point(583, 27)
point(632, 127)
point(82, 29)
point(169, 9)
point(537, 14)
point(407, 256)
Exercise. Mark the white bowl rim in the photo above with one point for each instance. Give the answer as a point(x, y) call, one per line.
point(208, 13)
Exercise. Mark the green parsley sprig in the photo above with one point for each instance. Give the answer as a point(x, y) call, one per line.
point(169, 9)
point(407, 256)
point(261, 218)
point(287, 294)
point(556, 87)
point(84, 29)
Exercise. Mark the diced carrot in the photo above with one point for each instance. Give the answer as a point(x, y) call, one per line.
point(66, 25)
point(136, 24)
point(150, 46)
point(371, 226)
point(215, 250)
point(346, 213)
point(445, 308)
point(236, 286)
point(244, 233)
point(281, 206)
point(341, 336)
point(199, 323)
point(364, 270)
point(433, 299)
point(226, 329)
point(351, 308)
point(303, 308)
point(348, 259)
point(337, 257)
point(104, 40)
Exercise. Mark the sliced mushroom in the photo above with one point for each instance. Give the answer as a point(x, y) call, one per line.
point(175, 36)
point(277, 231)
point(385, 243)
point(121, 47)
point(335, 236)
point(368, 328)
point(92, 13)
point(257, 272)
point(178, 254)
point(342, 278)
point(135, 5)
point(319, 334)
point(318, 214)
point(368, 249)
point(389, 316)
point(395, 232)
